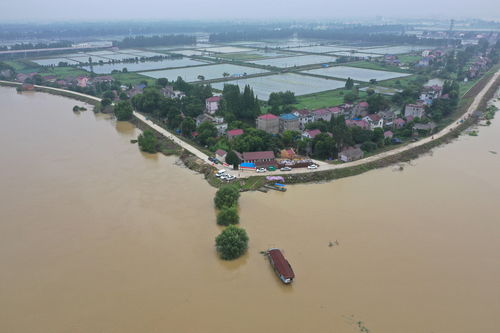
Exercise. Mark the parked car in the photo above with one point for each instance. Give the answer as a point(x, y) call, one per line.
point(220, 173)
point(312, 166)
point(271, 168)
point(286, 169)
point(261, 170)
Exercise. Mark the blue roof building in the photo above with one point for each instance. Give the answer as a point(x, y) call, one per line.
point(289, 122)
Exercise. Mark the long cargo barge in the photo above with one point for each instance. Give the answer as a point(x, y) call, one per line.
point(281, 265)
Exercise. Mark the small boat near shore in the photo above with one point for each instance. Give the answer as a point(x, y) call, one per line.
point(281, 265)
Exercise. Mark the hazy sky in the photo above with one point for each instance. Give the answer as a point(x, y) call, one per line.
point(91, 10)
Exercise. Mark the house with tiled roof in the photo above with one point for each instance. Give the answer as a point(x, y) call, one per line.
point(288, 122)
point(359, 123)
point(231, 134)
point(322, 114)
point(311, 134)
point(430, 93)
point(212, 104)
point(350, 154)
point(374, 120)
point(415, 110)
point(220, 155)
point(259, 158)
point(82, 81)
point(218, 122)
point(268, 123)
point(398, 123)
point(305, 117)
point(360, 109)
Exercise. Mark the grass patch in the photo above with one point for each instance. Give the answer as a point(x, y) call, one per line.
point(323, 99)
point(132, 78)
point(62, 72)
point(402, 82)
point(22, 66)
point(408, 58)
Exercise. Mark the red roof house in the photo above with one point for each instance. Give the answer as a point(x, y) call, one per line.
point(235, 132)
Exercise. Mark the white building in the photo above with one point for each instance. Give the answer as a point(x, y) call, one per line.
point(212, 104)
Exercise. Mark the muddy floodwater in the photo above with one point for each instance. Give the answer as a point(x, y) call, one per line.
point(96, 236)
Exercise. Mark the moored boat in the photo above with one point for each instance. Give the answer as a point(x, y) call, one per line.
point(281, 265)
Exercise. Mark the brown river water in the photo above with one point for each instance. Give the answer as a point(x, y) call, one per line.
point(96, 236)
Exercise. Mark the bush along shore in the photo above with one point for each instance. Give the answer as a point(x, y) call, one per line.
point(232, 242)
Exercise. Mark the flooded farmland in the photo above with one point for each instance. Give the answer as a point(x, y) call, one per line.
point(96, 236)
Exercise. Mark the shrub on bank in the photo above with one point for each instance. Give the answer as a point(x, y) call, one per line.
point(147, 142)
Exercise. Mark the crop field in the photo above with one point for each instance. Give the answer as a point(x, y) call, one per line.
point(225, 49)
point(382, 90)
point(190, 74)
point(144, 66)
point(295, 61)
point(396, 49)
point(299, 84)
point(53, 61)
point(359, 74)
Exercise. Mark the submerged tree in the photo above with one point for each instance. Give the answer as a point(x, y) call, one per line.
point(231, 243)
point(228, 216)
point(147, 142)
point(226, 196)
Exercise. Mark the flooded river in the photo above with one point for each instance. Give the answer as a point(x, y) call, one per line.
point(96, 236)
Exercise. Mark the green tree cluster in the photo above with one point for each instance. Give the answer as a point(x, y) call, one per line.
point(231, 243)
point(227, 216)
point(239, 106)
point(281, 102)
point(123, 110)
point(147, 142)
point(226, 196)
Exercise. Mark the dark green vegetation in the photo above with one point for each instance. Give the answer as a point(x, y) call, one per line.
point(227, 196)
point(232, 243)
point(123, 109)
point(79, 108)
point(227, 216)
point(148, 142)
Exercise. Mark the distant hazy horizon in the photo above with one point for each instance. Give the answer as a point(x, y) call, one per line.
point(98, 10)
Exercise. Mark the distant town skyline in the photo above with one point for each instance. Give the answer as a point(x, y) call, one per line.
point(92, 10)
